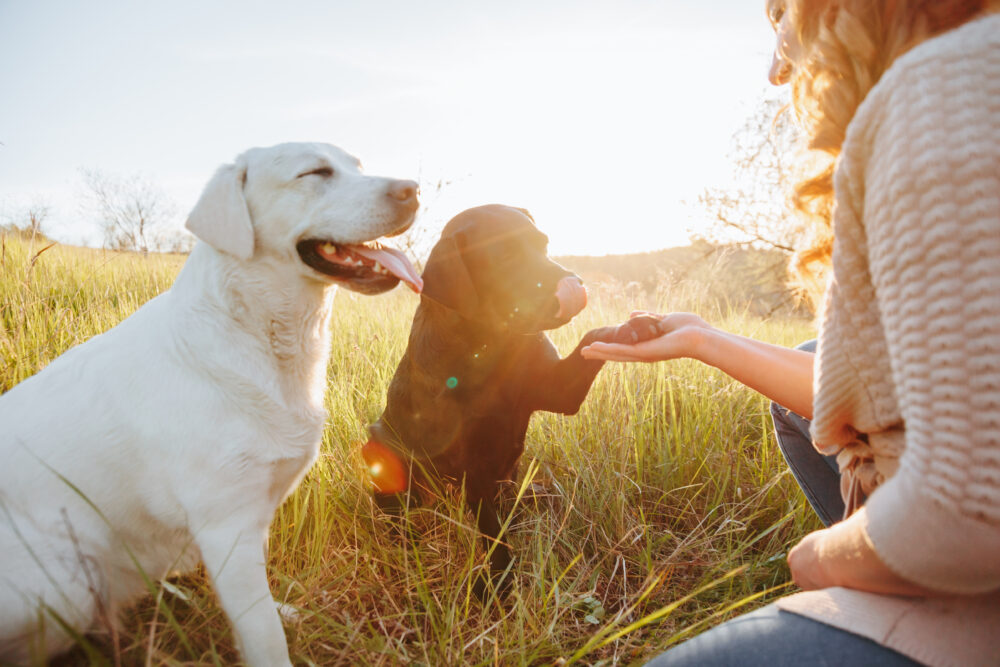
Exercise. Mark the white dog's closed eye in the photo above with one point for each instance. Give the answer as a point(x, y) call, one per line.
point(220, 218)
point(324, 171)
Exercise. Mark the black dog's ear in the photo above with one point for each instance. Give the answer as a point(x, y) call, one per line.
point(525, 211)
point(447, 280)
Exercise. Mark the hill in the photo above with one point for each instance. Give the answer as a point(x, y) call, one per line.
point(723, 276)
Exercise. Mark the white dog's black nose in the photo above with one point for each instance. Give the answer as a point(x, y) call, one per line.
point(404, 192)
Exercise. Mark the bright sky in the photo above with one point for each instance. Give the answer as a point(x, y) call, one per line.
point(605, 119)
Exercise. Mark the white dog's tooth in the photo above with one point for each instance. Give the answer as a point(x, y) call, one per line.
point(329, 248)
point(378, 268)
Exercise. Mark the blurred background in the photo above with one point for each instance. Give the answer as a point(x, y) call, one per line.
point(618, 125)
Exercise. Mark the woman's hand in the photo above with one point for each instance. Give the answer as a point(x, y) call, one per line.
point(808, 569)
point(681, 337)
point(783, 375)
point(842, 555)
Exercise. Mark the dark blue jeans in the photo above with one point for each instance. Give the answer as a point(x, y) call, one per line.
point(818, 476)
point(770, 637)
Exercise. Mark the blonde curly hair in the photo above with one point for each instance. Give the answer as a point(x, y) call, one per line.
point(846, 46)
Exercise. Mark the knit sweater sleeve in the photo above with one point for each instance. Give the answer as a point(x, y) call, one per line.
point(929, 198)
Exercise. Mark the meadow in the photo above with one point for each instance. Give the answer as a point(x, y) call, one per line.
point(667, 507)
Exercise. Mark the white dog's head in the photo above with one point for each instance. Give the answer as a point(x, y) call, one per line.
point(310, 204)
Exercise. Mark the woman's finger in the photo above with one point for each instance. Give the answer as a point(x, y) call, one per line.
point(605, 356)
point(609, 352)
point(650, 350)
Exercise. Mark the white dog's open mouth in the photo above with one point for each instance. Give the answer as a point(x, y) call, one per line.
point(370, 268)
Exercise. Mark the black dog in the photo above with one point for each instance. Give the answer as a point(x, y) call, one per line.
point(478, 365)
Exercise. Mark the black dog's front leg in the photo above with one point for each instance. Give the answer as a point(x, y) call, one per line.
point(561, 385)
point(392, 504)
point(396, 506)
point(488, 522)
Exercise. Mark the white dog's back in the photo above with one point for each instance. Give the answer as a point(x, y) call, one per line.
point(69, 441)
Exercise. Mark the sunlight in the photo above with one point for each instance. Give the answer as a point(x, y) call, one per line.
point(606, 122)
point(609, 147)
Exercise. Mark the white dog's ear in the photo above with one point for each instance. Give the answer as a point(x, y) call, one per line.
point(220, 218)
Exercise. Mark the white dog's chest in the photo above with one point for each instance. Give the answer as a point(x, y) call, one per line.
point(285, 474)
point(295, 437)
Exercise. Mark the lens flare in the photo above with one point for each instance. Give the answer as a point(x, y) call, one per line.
point(451, 382)
point(385, 469)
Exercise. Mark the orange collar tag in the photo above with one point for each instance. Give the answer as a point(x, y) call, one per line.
point(385, 469)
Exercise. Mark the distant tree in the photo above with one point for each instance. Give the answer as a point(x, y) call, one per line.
point(131, 211)
point(29, 219)
point(33, 216)
point(176, 240)
point(755, 210)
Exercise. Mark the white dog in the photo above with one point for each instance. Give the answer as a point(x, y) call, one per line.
point(177, 433)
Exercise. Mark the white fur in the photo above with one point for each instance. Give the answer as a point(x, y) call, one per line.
point(176, 434)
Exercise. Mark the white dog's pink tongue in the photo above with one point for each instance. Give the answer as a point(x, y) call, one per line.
point(395, 263)
point(572, 296)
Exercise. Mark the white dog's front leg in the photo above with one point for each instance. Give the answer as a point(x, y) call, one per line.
point(234, 557)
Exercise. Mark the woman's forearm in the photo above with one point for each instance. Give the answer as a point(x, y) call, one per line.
point(782, 374)
point(843, 555)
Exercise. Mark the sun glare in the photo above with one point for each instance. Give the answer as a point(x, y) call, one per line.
point(608, 148)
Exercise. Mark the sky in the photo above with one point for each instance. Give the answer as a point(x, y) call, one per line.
point(605, 119)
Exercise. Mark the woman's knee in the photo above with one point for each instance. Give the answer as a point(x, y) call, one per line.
point(774, 638)
point(739, 641)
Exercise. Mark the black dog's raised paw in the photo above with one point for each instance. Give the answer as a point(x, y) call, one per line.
point(636, 330)
point(395, 506)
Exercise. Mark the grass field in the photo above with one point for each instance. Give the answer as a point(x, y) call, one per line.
point(668, 510)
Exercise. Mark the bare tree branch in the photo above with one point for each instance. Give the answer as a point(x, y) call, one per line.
point(28, 220)
point(755, 211)
point(130, 210)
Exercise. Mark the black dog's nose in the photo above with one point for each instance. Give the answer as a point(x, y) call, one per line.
point(404, 192)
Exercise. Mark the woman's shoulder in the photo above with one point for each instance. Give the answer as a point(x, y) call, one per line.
point(975, 39)
point(942, 64)
point(952, 78)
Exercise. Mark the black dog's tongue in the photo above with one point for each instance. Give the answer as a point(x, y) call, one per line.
point(572, 296)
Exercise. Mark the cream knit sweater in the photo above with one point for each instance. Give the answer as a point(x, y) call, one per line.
point(909, 349)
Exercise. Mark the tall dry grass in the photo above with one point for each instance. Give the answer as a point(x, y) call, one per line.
point(667, 508)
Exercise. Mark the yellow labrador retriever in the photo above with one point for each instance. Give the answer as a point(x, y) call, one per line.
point(176, 434)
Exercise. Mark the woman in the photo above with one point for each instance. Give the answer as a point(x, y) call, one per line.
point(903, 97)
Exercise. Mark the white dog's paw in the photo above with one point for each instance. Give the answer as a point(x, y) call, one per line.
point(290, 614)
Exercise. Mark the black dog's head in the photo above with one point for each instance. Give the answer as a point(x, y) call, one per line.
point(490, 266)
